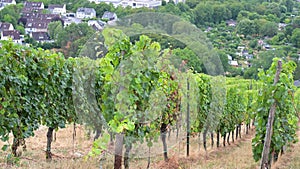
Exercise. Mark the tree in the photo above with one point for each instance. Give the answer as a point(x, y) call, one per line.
point(101, 8)
point(289, 4)
point(192, 3)
point(54, 28)
point(253, 43)
point(203, 13)
point(21, 29)
point(296, 37)
point(8, 18)
point(278, 39)
point(11, 14)
point(296, 22)
point(246, 27)
point(224, 59)
point(260, 9)
point(273, 8)
point(193, 61)
point(220, 13)
point(243, 15)
point(235, 9)
point(268, 29)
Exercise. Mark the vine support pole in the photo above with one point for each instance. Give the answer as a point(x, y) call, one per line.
point(188, 120)
point(119, 136)
point(265, 163)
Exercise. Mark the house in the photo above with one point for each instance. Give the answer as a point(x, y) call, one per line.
point(281, 26)
point(41, 37)
point(260, 42)
point(229, 58)
point(231, 23)
point(132, 3)
point(34, 5)
point(249, 56)
point(8, 2)
point(241, 48)
point(85, 13)
point(208, 29)
point(14, 35)
point(71, 15)
point(267, 46)
point(6, 26)
point(70, 18)
point(234, 63)
point(31, 10)
point(109, 16)
point(153, 4)
point(4, 3)
point(57, 9)
point(40, 26)
point(38, 22)
point(97, 25)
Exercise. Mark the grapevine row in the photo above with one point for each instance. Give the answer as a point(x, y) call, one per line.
point(136, 94)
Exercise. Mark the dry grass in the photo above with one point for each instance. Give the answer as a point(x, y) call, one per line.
point(237, 155)
point(67, 151)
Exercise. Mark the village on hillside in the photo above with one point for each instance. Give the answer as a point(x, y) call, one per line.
point(36, 20)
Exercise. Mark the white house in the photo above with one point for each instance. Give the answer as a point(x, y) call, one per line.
point(132, 3)
point(142, 3)
point(4, 3)
point(41, 37)
point(234, 63)
point(98, 25)
point(41, 26)
point(70, 18)
point(14, 35)
point(8, 2)
point(57, 9)
point(229, 58)
point(85, 13)
point(109, 16)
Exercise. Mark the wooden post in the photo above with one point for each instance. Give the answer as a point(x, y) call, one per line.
point(265, 164)
point(188, 120)
point(118, 151)
point(119, 136)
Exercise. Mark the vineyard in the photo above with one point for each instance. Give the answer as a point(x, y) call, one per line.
point(135, 97)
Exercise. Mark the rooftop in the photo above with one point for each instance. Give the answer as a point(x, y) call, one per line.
point(86, 10)
point(14, 34)
point(4, 26)
point(33, 4)
point(52, 6)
